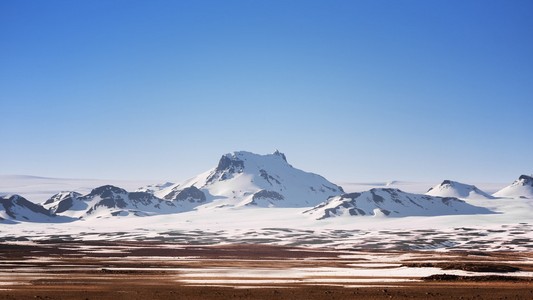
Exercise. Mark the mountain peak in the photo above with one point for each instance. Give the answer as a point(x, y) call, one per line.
point(243, 178)
point(107, 190)
point(447, 182)
point(234, 163)
point(450, 188)
point(228, 165)
point(60, 197)
point(520, 188)
point(16, 207)
point(526, 180)
point(282, 155)
point(231, 162)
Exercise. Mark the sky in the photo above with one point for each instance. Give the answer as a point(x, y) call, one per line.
point(355, 91)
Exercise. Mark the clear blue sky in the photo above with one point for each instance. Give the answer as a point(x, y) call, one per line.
point(352, 90)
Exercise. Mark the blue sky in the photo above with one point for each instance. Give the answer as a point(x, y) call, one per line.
point(352, 90)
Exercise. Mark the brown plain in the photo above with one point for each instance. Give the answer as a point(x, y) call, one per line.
point(113, 270)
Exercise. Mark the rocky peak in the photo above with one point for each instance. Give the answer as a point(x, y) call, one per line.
point(228, 165)
point(447, 182)
point(107, 191)
point(526, 180)
point(191, 194)
point(231, 163)
point(277, 153)
point(61, 196)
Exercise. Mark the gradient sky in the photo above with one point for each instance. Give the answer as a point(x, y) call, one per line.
point(352, 90)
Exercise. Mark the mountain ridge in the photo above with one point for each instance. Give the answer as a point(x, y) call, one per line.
point(244, 179)
point(392, 203)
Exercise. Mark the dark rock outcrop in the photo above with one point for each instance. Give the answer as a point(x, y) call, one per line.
point(191, 194)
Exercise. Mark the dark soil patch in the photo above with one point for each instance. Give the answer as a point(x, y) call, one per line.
point(448, 277)
point(131, 272)
point(471, 267)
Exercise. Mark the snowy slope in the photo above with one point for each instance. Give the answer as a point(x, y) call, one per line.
point(152, 188)
point(248, 179)
point(411, 186)
point(393, 203)
point(521, 188)
point(509, 229)
point(18, 208)
point(408, 186)
point(456, 189)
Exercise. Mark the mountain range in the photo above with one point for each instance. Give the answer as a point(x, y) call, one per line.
point(243, 180)
point(393, 203)
point(108, 201)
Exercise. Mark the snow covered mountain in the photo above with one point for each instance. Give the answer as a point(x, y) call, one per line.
point(521, 188)
point(248, 179)
point(240, 179)
point(18, 208)
point(106, 201)
point(60, 202)
point(392, 203)
point(456, 189)
point(38, 189)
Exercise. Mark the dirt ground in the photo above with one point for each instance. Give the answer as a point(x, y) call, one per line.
point(121, 290)
point(137, 270)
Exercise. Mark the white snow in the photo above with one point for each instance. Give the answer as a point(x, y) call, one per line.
point(382, 202)
point(153, 188)
point(317, 275)
point(238, 178)
point(229, 215)
point(456, 189)
point(510, 229)
point(520, 188)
